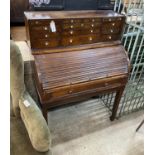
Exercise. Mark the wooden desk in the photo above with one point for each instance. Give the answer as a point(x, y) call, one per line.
point(77, 55)
point(66, 77)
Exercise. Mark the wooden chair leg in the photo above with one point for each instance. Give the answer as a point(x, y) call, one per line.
point(116, 103)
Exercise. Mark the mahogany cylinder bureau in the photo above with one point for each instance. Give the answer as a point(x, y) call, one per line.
point(78, 55)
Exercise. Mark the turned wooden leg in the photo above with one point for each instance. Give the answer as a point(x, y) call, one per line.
point(116, 103)
point(44, 111)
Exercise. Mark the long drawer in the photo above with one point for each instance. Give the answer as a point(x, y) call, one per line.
point(101, 84)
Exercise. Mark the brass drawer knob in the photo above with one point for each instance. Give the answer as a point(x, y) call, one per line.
point(45, 28)
point(72, 21)
point(90, 38)
point(46, 43)
point(110, 19)
point(109, 37)
point(71, 26)
point(113, 24)
point(46, 35)
point(71, 40)
point(91, 31)
point(120, 18)
point(82, 25)
point(111, 31)
point(71, 32)
point(93, 20)
point(37, 22)
point(92, 25)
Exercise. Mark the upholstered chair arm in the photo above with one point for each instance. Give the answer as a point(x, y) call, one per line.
point(35, 123)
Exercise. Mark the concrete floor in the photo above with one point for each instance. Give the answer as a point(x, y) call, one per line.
point(85, 128)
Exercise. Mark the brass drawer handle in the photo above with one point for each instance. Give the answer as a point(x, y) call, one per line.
point(71, 40)
point(46, 43)
point(90, 38)
point(71, 32)
point(45, 28)
point(46, 35)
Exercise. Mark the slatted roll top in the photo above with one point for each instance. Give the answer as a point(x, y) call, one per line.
point(69, 68)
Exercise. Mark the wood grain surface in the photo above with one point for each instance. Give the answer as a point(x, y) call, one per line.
point(72, 28)
point(60, 74)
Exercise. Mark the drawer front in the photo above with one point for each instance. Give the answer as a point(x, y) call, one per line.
point(81, 32)
point(112, 37)
point(85, 39)
point(95, 85)
point(113, 19)
point(84, 20)
point(87, 87)
point(46, 28)
point(42, 43)
point(45, 22)
point(82, 25)
point(45, 35)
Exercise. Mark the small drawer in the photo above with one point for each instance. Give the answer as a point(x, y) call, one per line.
point(71, 21)
point(44, 35)
point(91, 20)
point(39, 22)
point(110, 30)
point(49, 43)
point(69, 41)
point(81, 32)
point(112, 24)
point(95, 20)
point(112, 19)
point(84, 39)
point(46, 28)
point(44, 22)
point(81, 25)
point(110, 37)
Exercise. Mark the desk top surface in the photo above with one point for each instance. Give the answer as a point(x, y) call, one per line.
point(70, 14)
point(61, 69)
